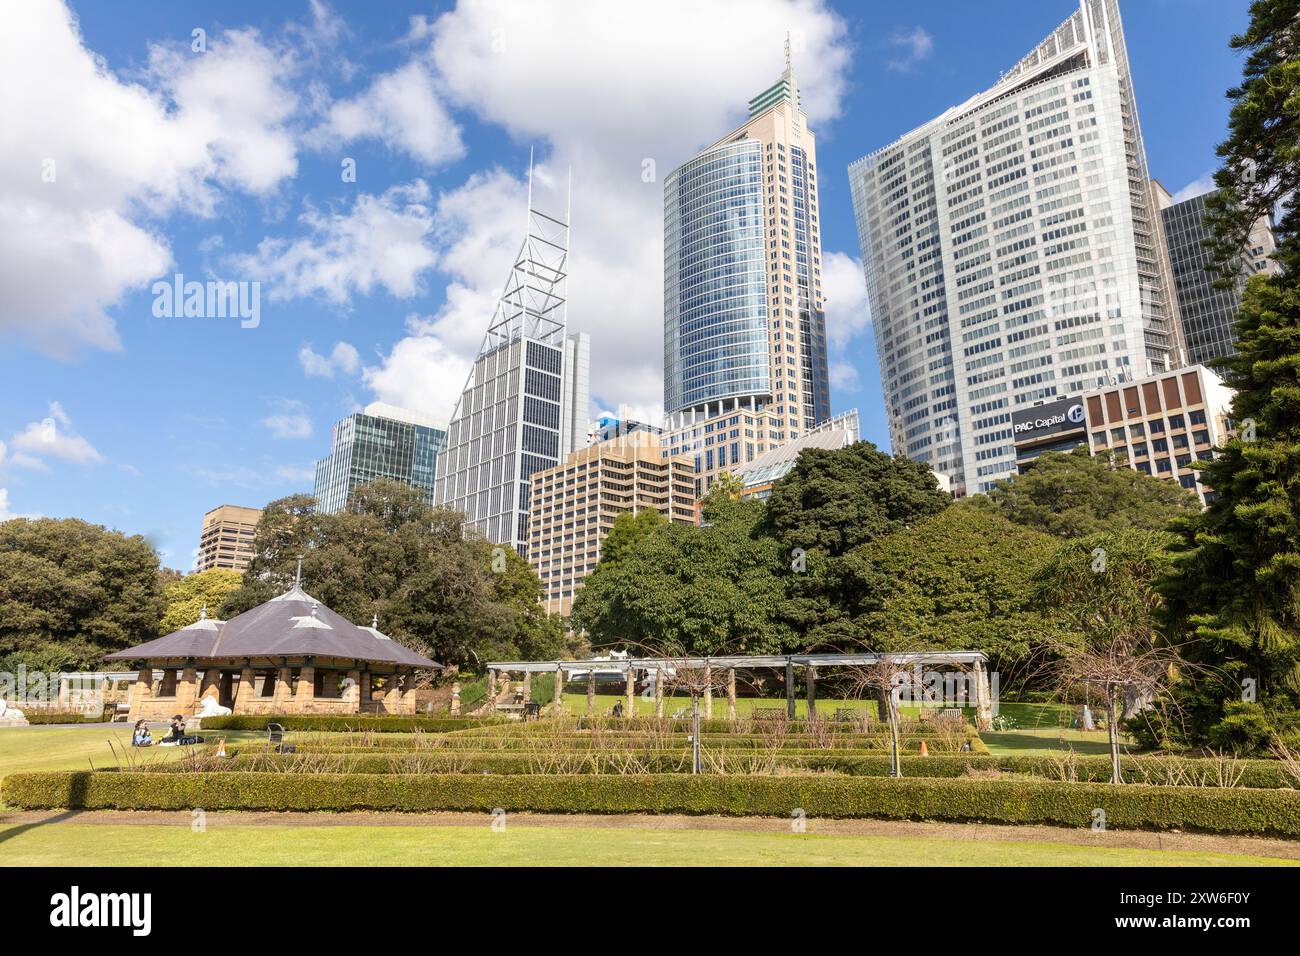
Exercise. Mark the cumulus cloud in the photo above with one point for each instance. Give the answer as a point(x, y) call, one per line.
point(90, 161)
point(290, 420)
point(848, 313)
point(400, 109)
point(52, 437)
point(1197, 187)
point(378, 242)
point(343, 359)
point(911, 48)
point(5, 513)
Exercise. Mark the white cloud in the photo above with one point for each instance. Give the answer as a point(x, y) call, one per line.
point(843, 374)
point(913, 46)
point(5, 513)
point(343, 359)
point(89, 160)
point(1197, 187)
point(421, 372)
point(291, 421)
point(400, 109)
point(848, 313)
point(381, 241)
point(53, 437)
point(596, 85)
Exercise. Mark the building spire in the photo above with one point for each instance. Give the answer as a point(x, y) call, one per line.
point(297, 577)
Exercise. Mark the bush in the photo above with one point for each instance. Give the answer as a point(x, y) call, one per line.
point(914, 798)
point(67, 717)
point(346, 722)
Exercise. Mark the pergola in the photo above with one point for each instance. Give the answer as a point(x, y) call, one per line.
point(973, 663)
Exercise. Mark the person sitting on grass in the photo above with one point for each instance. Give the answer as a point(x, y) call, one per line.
point(140, 736)
point(177, 725)
point(617, 709)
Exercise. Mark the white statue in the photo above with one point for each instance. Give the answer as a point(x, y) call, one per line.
point(11, 715)
point(208, 707)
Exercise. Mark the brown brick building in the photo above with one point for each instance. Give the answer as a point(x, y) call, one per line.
point(227, 538)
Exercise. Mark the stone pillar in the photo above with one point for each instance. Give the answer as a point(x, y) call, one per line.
point(247, 692)
point(810, 678)
point(629, 694)
point(364, 693)
point(659, 693)
point(455, 698)
point(528, 686)
point(211, 686)
point(352, 696)
point(708, 691)
point(558, 702)
point(591, 691)
point(305, 699)
point(283, 696)
point(392, 695)
point(492, 687)
point(407, 704)
point(140, 693)
point(984, 708)
point(187, 691)
point(731, 693)
point(789, 689)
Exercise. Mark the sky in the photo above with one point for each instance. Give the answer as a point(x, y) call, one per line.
point(362, 168)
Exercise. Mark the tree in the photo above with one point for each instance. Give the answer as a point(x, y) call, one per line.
point(187, 596)
point(725, 487)
point(629, 531)
point(1236, 586)
point(1072, 494)
point(959, 580)
point(457, 597)
point(1103, 588)
point(71, 592)
point(697, 589)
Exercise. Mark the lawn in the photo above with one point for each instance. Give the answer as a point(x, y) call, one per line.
point(55, 844)
point(77, 748)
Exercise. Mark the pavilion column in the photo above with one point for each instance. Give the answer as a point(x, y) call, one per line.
point(187, 691)
point(708, 691)
point(492, 687)
point(211, 686)
point(731, 693)
point(407, 704)
point(983, 698)
point(558, 702)
point(64, 693)
point(283, 689)
point(246, 693)
point(393, 696)
point(455, 698)
point(365, 689)
point(629, 693)
point(352, 696)
point(810, 678)
point(528, 686)
point(305, 698)
point(591, 691)
point(141, 692)
point(659, 693)
point(789, 688)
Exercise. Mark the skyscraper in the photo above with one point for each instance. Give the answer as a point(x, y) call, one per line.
point(227, 538)
point(1207, 312)
point(384, 441)
point(525, 405)
point(1011, 252)
point(744, 328)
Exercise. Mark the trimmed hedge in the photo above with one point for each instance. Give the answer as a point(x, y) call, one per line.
point(67, 717)
point(346, 722)
point(1000, 801)
point(615, 745)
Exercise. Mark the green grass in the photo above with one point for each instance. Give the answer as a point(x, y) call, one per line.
point(77, 748)
point(1046, 740)
point(56, 844)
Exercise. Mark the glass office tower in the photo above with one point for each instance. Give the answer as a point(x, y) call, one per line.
point(384, 441)
point(1012, 254)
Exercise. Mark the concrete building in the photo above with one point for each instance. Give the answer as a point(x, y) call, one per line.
point(1011, 252)
point(226, 540)
point(744, 321)
point(574, 506)
point(525, 405)
point(1207, 312)
point(384, 441)
point(608, 426)
point(758, 476)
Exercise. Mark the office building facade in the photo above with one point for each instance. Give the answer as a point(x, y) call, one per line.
point(744, 320)
point(1207, 312)
point(226, 540)
point(524, 407)
point(758, 476)
point(1011, 252)
point(574, 506)
point(384, 441)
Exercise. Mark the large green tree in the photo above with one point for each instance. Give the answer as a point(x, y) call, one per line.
point(71, 591)
point(1073, 494)
point(187, 596)
point(390, 555)
point(1237, 587)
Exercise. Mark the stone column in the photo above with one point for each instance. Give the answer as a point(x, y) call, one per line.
point(659, 693)
point(247, 692)
point(352, 696)
point(591, 691)
point(731, 693)
point(629, 694)
point(984, 708)
point(140, 693)
point(455, 698)
point(283, 696)
point(810, 679)
point(528, 686)
point(407, 704)
point(492, 687)
point(211, 686)
point(558, 702)
point(708, 691)
point(789, 689)
point(305, 699)
point(187, 691)
point(393, 695)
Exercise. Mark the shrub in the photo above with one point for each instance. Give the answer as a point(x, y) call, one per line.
point(1001, 801)
point(346, 722)
point(67, 717)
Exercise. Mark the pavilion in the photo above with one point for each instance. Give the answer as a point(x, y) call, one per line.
point(291, 655)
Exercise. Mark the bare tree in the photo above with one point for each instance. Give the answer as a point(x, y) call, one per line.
point(885, 679)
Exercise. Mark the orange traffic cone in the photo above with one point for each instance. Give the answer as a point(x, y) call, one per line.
point(924, 751)
point(221, 747)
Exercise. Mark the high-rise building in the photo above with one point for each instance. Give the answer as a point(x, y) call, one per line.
point(227, 538)
point(383, 441)
point(1208, 312)
point(744, 325)
point(758, 477)
point(574, 506)
point(525, 405)
point(1011, 252)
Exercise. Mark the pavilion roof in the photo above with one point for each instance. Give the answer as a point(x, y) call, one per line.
point(294, 624)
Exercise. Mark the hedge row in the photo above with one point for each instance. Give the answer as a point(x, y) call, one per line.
point(627, 744)
point(1000, 801)
point(346, 722)
point(1263, 774)
point(67, 717)
point(683, 725)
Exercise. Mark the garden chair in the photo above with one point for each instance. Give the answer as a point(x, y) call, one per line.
point(274, 734)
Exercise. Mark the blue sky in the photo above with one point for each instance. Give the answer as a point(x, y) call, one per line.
point(128, 156)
